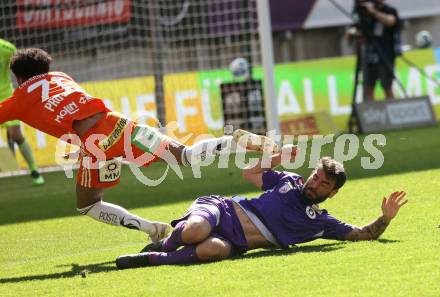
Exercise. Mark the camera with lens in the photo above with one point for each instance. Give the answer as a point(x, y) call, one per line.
point(364, 20)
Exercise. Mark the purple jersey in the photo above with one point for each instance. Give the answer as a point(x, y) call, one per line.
point(289, 217)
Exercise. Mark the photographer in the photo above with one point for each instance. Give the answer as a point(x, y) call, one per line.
point(379, 25)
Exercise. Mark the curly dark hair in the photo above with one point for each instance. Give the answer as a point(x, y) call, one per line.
point(333, 169)
point(29, 62)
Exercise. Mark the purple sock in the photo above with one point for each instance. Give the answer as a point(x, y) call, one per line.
point(187, 255)
point(174, 241)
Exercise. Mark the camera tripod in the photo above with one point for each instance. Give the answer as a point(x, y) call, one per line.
point(366, 38)
point(361, 64)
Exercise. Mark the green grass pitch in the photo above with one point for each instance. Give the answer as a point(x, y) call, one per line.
point(46, 246)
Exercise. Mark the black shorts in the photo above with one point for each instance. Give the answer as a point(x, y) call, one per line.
point(381, 72)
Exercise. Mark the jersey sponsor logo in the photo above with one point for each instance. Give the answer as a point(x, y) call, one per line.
point(147, 139)
point(114, 136)
point(286, 188)
point(109, 171)
point(53, 102)
point(107, 217)
point(310, 212)
point(67, 110)
point(84, 99)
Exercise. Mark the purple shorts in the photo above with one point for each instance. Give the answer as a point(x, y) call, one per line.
point(220, 213)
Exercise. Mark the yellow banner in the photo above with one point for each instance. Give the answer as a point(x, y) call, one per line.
point(183, 106)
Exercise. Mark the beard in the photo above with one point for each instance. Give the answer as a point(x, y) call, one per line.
point(311, 195)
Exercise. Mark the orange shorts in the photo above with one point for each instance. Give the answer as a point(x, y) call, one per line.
point(112, 140)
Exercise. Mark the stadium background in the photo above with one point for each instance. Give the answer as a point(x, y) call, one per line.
point(49, 250)
point(115, 57)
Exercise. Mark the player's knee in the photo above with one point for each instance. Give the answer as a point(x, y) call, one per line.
point(196, 230)
point(83, 203)
point(86, 197)
point(213, 249)
point(85, 209)
point(16, 135)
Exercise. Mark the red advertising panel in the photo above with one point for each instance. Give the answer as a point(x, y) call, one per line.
point(64, 13)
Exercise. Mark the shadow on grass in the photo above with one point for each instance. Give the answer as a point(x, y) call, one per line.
point(318, 248)
point(76, 270)
point(327, 247)
point(387, 241)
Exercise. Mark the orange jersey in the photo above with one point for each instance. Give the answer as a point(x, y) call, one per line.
point(50, 103)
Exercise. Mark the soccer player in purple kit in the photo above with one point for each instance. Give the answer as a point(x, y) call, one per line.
point(286, 213)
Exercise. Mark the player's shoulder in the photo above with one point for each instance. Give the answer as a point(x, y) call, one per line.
point(289, 174)
point(7, 45)
point(293, 177)
point(59, 74)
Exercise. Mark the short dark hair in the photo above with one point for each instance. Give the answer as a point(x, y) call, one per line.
point(29, 62)
point(333, 169)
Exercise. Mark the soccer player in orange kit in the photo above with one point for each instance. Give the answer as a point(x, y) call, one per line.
point(54, 103)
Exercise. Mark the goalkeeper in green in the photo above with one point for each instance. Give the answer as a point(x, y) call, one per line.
point(14, 134)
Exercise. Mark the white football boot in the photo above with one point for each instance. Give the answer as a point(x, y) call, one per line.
point(255, 142)
point(161, 231)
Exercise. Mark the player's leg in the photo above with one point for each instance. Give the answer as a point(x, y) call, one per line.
point(191, 231)
point(203, 149)
point(211, 249)
point(172, 151)
point(11, 143)
point(202, 218)
point(17, 137)
point(151, 140)
point(370, 76)
point(213, 146)
point(386, 77)
point(89, 202)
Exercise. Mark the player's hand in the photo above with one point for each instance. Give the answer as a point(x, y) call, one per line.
point(391, 206)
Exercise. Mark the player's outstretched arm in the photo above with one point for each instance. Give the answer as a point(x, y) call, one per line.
point(254, 174)
point(390, 208)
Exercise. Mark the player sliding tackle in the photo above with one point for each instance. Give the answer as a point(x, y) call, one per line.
point(54, 103)
point(286, 213)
